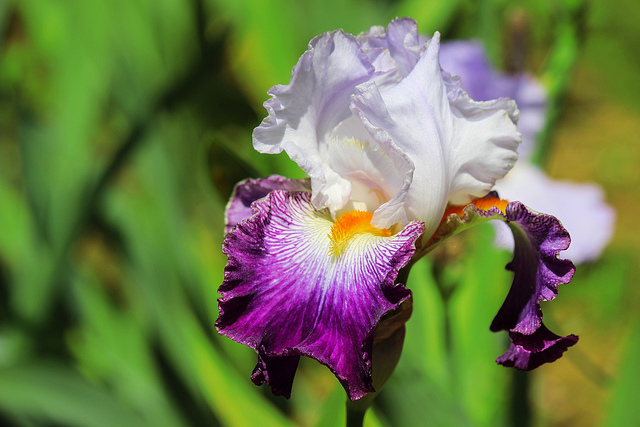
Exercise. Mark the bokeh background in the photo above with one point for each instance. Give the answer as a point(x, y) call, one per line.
point(124, 125)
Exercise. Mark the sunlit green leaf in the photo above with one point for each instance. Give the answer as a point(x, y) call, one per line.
point(482, 287)
point(431, 15)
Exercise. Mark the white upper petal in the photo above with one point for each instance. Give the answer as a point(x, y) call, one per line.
point(459, 147)
point(379, 172)
point(400, 40)
point(469, 61)
point(303, 113)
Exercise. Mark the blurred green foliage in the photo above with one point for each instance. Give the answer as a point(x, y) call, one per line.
point(124, 126)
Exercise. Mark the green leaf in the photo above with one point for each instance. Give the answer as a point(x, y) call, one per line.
point(333, 409)
point(22, 250)
point(53, 393)
point(483, 285)
point(426, 340)
point(113, 345)
point(422, 387)
point(153, 220)
point(17, 237)
point(623, 409)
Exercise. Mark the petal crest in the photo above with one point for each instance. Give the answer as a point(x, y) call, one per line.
point(284, 296)
point(402, 42)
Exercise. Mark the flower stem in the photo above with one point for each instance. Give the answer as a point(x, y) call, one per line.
point(520, 399)
point(387, 348)
point(355, 416)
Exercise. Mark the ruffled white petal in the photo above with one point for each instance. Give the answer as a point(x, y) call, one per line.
point(400, 40)
point(377, 170)
point(468, 60)
point(376, 122)
point(303, 113)
point(460, 147)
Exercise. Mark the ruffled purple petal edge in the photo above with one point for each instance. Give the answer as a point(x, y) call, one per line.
point(527, 352)
point(249, 190)
point(538, 270)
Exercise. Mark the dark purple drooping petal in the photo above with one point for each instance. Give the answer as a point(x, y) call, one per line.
point(248, 191)
point(563, 199)
point(538, 271)
point(539, 238)
point(286, 295)
point(527, 352)
point(276, 371)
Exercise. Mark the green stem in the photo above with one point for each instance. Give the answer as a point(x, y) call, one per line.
point(520, 403)
point(387, 348)
point(355, 417)
point(558, 73)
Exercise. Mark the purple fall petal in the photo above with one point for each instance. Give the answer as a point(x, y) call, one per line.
point(286, 296)
point(248, 191)
point(538, 271)
point(527, 352)
point(277, 371)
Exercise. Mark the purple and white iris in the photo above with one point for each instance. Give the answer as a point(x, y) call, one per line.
point(394, 150)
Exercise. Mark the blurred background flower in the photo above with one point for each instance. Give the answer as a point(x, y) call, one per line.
point(124, 126)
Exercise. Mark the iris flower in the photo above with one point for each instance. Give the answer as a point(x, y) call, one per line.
point(399, 158)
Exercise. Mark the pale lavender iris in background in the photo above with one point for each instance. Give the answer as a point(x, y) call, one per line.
point(581, 206)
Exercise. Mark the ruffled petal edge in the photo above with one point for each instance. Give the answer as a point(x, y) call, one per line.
point(538, 270)
point(249, 190)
